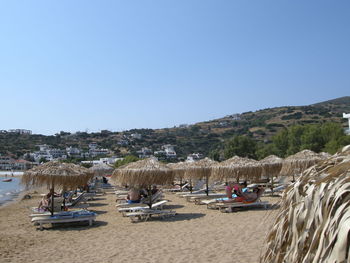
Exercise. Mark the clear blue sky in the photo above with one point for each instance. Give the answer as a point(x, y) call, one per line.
point(92, 65)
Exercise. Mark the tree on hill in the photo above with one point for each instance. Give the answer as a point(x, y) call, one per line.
point(126, 160)
point(242, 146)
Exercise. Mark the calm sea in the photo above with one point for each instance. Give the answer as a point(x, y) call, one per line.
point(10, 190)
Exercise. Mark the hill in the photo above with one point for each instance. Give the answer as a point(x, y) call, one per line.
point(202, 137)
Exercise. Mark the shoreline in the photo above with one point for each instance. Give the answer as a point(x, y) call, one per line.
point(4, 173)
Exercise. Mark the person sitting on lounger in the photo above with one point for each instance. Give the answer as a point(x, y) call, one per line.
point(45, 202)
point(133, 196)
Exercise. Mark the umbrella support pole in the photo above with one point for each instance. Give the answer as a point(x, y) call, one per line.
point(207, 185)
point(52, 200)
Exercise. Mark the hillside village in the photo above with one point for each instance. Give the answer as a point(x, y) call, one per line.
point(20, 149)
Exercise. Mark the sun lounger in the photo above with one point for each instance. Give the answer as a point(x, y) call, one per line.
point(65, 217)
point(198, 199)
point(197, 188)
point(159, 206)
point(230, 207)
point(57, 206)
point(179, 189)
point(77, 202)
point(155, 198)
point(146, 214)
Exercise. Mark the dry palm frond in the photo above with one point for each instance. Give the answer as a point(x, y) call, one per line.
point(143, 173)
point(313, 224)
point(54, 173)
point(236, 168)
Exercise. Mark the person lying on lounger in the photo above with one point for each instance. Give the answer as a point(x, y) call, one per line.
point(234, 188)
point(246, 196)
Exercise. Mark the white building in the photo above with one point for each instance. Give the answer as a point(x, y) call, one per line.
point(20, 131)
point(144, 152)
point(137, 136)
point(169, 151)
point(194, 157)
point(48, 153)
point(73, 152)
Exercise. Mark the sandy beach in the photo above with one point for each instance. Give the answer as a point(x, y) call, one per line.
point(195, 234)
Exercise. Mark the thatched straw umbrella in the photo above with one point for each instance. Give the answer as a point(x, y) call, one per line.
point(299, 162)
point(313, 224)
point(236, 167)
point(56, 174)
point(144, 173)
point(101, 169)
point(179, 170)
point(271, 167)
point(201, 169)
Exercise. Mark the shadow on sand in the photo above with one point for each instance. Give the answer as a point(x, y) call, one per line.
point(73, 226)
point(96, 204)
point(182, 217)
point(173, 206)
point(98, 198)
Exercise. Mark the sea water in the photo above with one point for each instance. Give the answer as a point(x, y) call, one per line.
point(10, 190)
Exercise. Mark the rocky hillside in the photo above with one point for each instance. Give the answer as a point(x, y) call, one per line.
point(201, 137)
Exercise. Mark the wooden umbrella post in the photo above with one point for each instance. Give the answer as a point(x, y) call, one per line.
point(207, 185)
point(52, 199)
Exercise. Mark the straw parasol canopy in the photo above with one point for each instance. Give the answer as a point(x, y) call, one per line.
point(57, 174)
point(101, 169)
point(313, 223)
point(144, 173)
point(200, 169)
point(237, 167)
point(299, 162)
point(179, 169)
point(271, 165)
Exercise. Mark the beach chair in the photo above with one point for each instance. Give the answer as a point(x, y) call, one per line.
point(156, 206)
point(179, 189)
point(65, 217)
point(198, 187)
point(201, 197)
point(144, 215)
point(155, 198)
point(230, 207)
point(58, 202)
point(77, 202)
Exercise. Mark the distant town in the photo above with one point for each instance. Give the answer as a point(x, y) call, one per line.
point(93, 156)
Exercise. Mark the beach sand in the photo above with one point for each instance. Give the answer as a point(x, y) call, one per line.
point(195, 234)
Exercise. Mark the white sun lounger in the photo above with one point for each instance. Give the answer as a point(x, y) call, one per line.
point(229, 207)
point(159, 205)
point(198, 197)
point(65, 217)
point(146, 214)
point(156, 197)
